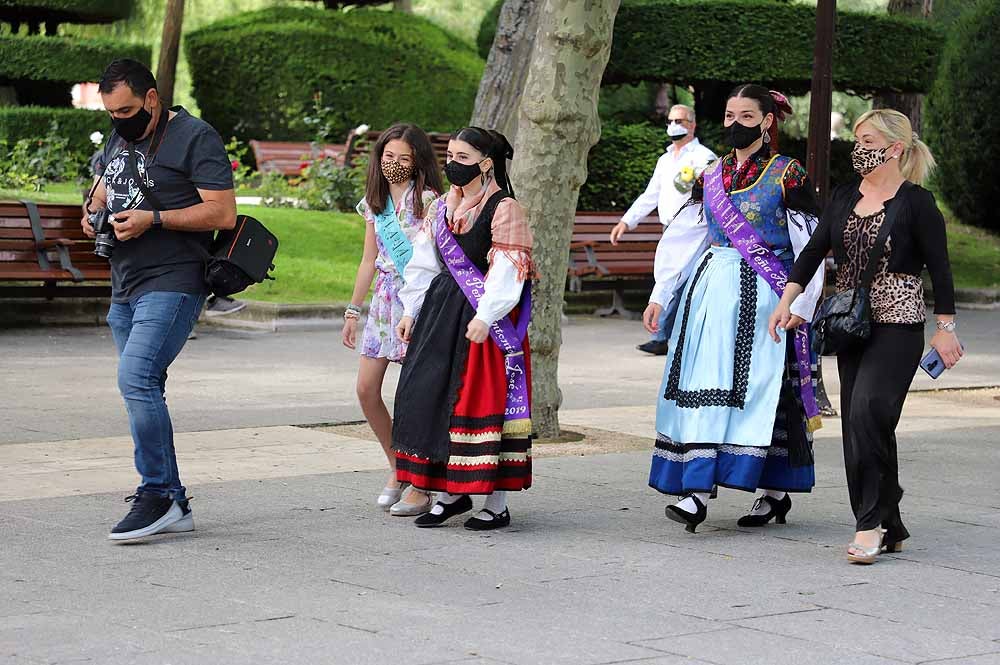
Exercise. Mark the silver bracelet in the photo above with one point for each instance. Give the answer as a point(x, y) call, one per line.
point(946, 326)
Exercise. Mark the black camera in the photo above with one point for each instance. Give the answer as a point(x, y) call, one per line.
point(104, 242)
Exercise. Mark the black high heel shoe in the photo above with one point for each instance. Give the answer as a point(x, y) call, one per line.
point(777, 511)
point(692, 520)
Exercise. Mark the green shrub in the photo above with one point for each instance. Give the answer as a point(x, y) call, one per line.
point(32, 163)
point(328, 186)
point(33, 122)
point(962, 125)
point(488, 29)
point(255, 74)
point(63, 59)
point(68, 11)
point(620, 165)
point(766, 41)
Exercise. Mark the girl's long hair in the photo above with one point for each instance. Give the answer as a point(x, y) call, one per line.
point(426, 174)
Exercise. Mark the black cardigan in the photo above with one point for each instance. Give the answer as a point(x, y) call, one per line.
point(918, 239)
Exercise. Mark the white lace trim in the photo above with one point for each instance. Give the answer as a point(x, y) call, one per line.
point(712, 453)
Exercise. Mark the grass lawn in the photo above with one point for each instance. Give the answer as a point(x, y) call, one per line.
point(319, 252)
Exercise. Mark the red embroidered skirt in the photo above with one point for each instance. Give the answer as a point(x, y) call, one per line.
point(482, 458)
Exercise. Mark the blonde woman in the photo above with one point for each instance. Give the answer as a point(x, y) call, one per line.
point(875, 377)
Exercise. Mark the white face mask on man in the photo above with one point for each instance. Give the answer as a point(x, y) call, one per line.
point(676, 131)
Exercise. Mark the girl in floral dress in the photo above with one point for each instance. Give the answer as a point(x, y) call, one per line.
point(403, 178)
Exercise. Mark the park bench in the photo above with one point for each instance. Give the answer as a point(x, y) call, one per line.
point(596, 264)
point(287, 157)
point(42, 248)
point(360, 145)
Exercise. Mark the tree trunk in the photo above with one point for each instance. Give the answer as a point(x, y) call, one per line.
point(663, 101)
point(166, 70)
point(403, 6)
point(910, 104)
point(558, 125)
point(507, 67)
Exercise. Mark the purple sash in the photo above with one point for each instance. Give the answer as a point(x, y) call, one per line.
point(766, 264)
point(517, 413)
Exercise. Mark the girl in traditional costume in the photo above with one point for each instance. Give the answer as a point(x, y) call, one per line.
point(403, 178)
point(463, 403)
point(736, 410)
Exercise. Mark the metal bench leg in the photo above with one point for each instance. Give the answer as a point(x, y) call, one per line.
point(618, 307)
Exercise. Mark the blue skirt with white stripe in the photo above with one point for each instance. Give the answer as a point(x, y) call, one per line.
point(728, 405)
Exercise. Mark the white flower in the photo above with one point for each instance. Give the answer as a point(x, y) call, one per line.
point(97, 138)
point(361, 129)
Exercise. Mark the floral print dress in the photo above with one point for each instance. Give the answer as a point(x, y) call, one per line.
point(379, 339)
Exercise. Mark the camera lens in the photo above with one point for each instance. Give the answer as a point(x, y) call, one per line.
point(104, 245)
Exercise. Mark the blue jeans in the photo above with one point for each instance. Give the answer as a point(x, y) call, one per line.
point(667, 317)
point(149, 331)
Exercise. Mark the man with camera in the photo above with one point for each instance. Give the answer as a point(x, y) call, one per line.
point(165, 186)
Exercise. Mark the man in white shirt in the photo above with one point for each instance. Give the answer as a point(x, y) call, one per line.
point(667, 191)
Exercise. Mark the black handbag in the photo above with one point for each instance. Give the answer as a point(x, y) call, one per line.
point(844, 320)
point(239, 258)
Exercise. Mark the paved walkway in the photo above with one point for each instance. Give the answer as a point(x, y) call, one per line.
point(291, 563)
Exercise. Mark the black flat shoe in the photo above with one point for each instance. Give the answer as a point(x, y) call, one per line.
point(692, 520)
point(654, 347)
point(426, 520)
point(776, 511)
point(498, 521)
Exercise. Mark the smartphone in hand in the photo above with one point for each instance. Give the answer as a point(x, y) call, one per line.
point(933, 364)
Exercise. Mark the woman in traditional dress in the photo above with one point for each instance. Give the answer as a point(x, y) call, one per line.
point(463, 404)
point(403, 178)
point(736, 410)
point(875, 376)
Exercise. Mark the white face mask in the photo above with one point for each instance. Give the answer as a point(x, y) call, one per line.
point(675, 130)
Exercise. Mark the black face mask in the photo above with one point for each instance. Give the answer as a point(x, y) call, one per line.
point(133, 127)
point(461, 174)
point(740, 136)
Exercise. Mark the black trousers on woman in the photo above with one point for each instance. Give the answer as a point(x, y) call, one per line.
point(874, 380)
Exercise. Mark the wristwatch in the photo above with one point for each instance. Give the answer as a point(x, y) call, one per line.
point(947, 326)
point(157, 222)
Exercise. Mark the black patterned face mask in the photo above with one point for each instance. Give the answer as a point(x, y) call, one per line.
point(395, 172)
point(866, 160)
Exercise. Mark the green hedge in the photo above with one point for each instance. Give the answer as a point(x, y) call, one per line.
point(766, 42)
point(962, 124)
point(62, 59)
point(620, 165)
point(254, 75)
point(26, 122)
point(67, 11)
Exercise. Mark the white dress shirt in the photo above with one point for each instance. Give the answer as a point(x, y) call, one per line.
point(661, 193)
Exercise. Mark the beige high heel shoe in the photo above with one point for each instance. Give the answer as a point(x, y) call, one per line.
point(865, 555)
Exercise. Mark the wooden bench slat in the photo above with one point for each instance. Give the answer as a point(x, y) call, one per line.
point(19, 260)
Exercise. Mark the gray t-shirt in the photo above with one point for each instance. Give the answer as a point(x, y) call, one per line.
point(190, 157)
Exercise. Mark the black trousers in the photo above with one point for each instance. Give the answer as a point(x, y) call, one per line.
point(874, 380)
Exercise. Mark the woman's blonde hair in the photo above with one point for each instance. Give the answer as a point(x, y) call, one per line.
point(916, 162)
